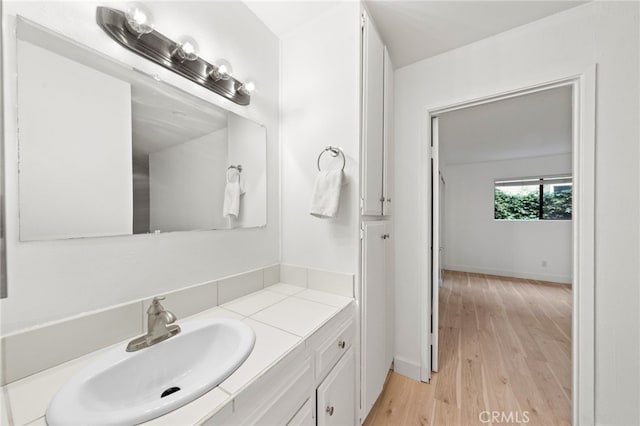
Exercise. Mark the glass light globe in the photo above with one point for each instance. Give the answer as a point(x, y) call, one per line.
point(221, 70)
point(247, 88)
point(186, 49)
point(138, 18)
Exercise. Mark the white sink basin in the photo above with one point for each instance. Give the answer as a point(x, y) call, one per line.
point(125, 388)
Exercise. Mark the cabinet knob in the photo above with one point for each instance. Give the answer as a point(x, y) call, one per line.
point(385, 236)
point(341, 344)
point(382, 199)
point(329, 410)
point(388, 200)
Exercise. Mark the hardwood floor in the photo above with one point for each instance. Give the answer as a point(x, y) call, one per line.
point(505, 358)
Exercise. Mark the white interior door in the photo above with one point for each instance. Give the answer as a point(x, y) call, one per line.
point(435, 241)
point(441, 227)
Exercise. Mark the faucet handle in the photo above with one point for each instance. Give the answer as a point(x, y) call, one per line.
point(156, 306)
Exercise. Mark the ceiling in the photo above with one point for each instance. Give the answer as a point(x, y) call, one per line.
point(533, 125)
point(418, 29)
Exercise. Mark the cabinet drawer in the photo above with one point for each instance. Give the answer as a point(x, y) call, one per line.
point(333, 348)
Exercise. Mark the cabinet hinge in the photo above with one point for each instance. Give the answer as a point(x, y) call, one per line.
point(362, 21)
point(362, 231)
point(431, 151)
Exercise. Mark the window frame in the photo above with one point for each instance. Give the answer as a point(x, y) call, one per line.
point(540, 182)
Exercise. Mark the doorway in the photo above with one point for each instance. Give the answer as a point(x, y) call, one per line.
point(582, 90)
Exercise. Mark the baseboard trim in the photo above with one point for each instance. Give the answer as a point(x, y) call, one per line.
point(563, 279)
point(406, 368)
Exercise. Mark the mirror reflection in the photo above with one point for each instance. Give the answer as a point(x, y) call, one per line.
point(106, 150)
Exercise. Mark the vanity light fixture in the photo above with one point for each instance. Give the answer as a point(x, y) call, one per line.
point(186, 49)
point(138, 19)
point(247, 88)
point(133, 29)
point(220, 70)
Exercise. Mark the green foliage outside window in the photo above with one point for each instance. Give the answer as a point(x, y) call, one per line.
point(525, 205)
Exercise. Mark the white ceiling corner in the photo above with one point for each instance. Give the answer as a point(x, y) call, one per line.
point(418, 29)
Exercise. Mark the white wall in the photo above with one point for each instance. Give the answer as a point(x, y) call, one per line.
point(56, 279)
point(475, 242)
point(186, 184)
point(562, 45)
point(246, 147)
point(320, 107)
point(75, 153)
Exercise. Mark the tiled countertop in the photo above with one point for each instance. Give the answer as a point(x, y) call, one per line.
point(282, 316)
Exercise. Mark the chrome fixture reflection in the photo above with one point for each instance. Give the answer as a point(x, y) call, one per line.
point(139, 19)
point(133, 29)
point(220, 70)
point(247, 88)
point(186, 49)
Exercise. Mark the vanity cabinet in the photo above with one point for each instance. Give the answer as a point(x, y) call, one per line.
point(336, 395)
point(295, 391)
point(377, 310)
point(377, 123)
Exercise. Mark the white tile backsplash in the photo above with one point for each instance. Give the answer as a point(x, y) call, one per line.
point(332, 282)
point(34, 350)
point(271, 275)
point(291, 274)
point(187, 301)
point(45, 347)
point(289, 289)
point(324, 298)
point(240, 285)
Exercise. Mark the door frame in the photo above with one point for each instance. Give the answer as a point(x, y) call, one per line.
point(583, 227)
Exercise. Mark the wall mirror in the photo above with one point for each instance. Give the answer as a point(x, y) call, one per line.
point(107, 150)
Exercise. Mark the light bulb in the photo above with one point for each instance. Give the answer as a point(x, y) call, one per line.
point(186, 49)
point(247, 88)
point(220, 70)
point(139, 19)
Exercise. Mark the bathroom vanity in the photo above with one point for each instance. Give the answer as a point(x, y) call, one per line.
point(300, 372)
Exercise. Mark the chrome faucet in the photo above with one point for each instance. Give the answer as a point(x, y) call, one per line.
point(158, 328)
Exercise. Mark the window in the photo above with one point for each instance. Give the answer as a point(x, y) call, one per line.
point(541, 198)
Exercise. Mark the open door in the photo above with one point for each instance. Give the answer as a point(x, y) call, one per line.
point(435, 241)
point(441, 234)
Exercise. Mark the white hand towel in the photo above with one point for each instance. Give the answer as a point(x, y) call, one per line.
point(326, 194)
point(231, 205)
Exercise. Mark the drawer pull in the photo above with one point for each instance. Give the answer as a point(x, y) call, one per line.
point(329, 410)
point(341, 344)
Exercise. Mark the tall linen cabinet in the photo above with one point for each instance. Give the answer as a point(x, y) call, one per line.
point(377, 299)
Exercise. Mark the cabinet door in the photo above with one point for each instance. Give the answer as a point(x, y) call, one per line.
point(304, 417)
point(372, 119)
point(337, 394)
point(375, 312)
point(387, 169)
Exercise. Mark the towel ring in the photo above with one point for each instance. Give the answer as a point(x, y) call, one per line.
point(334, 150)
point(238, 168)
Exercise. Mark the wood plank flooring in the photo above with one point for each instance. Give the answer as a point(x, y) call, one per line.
point(505, 358)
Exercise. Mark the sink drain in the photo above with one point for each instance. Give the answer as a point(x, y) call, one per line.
point(169, 391)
